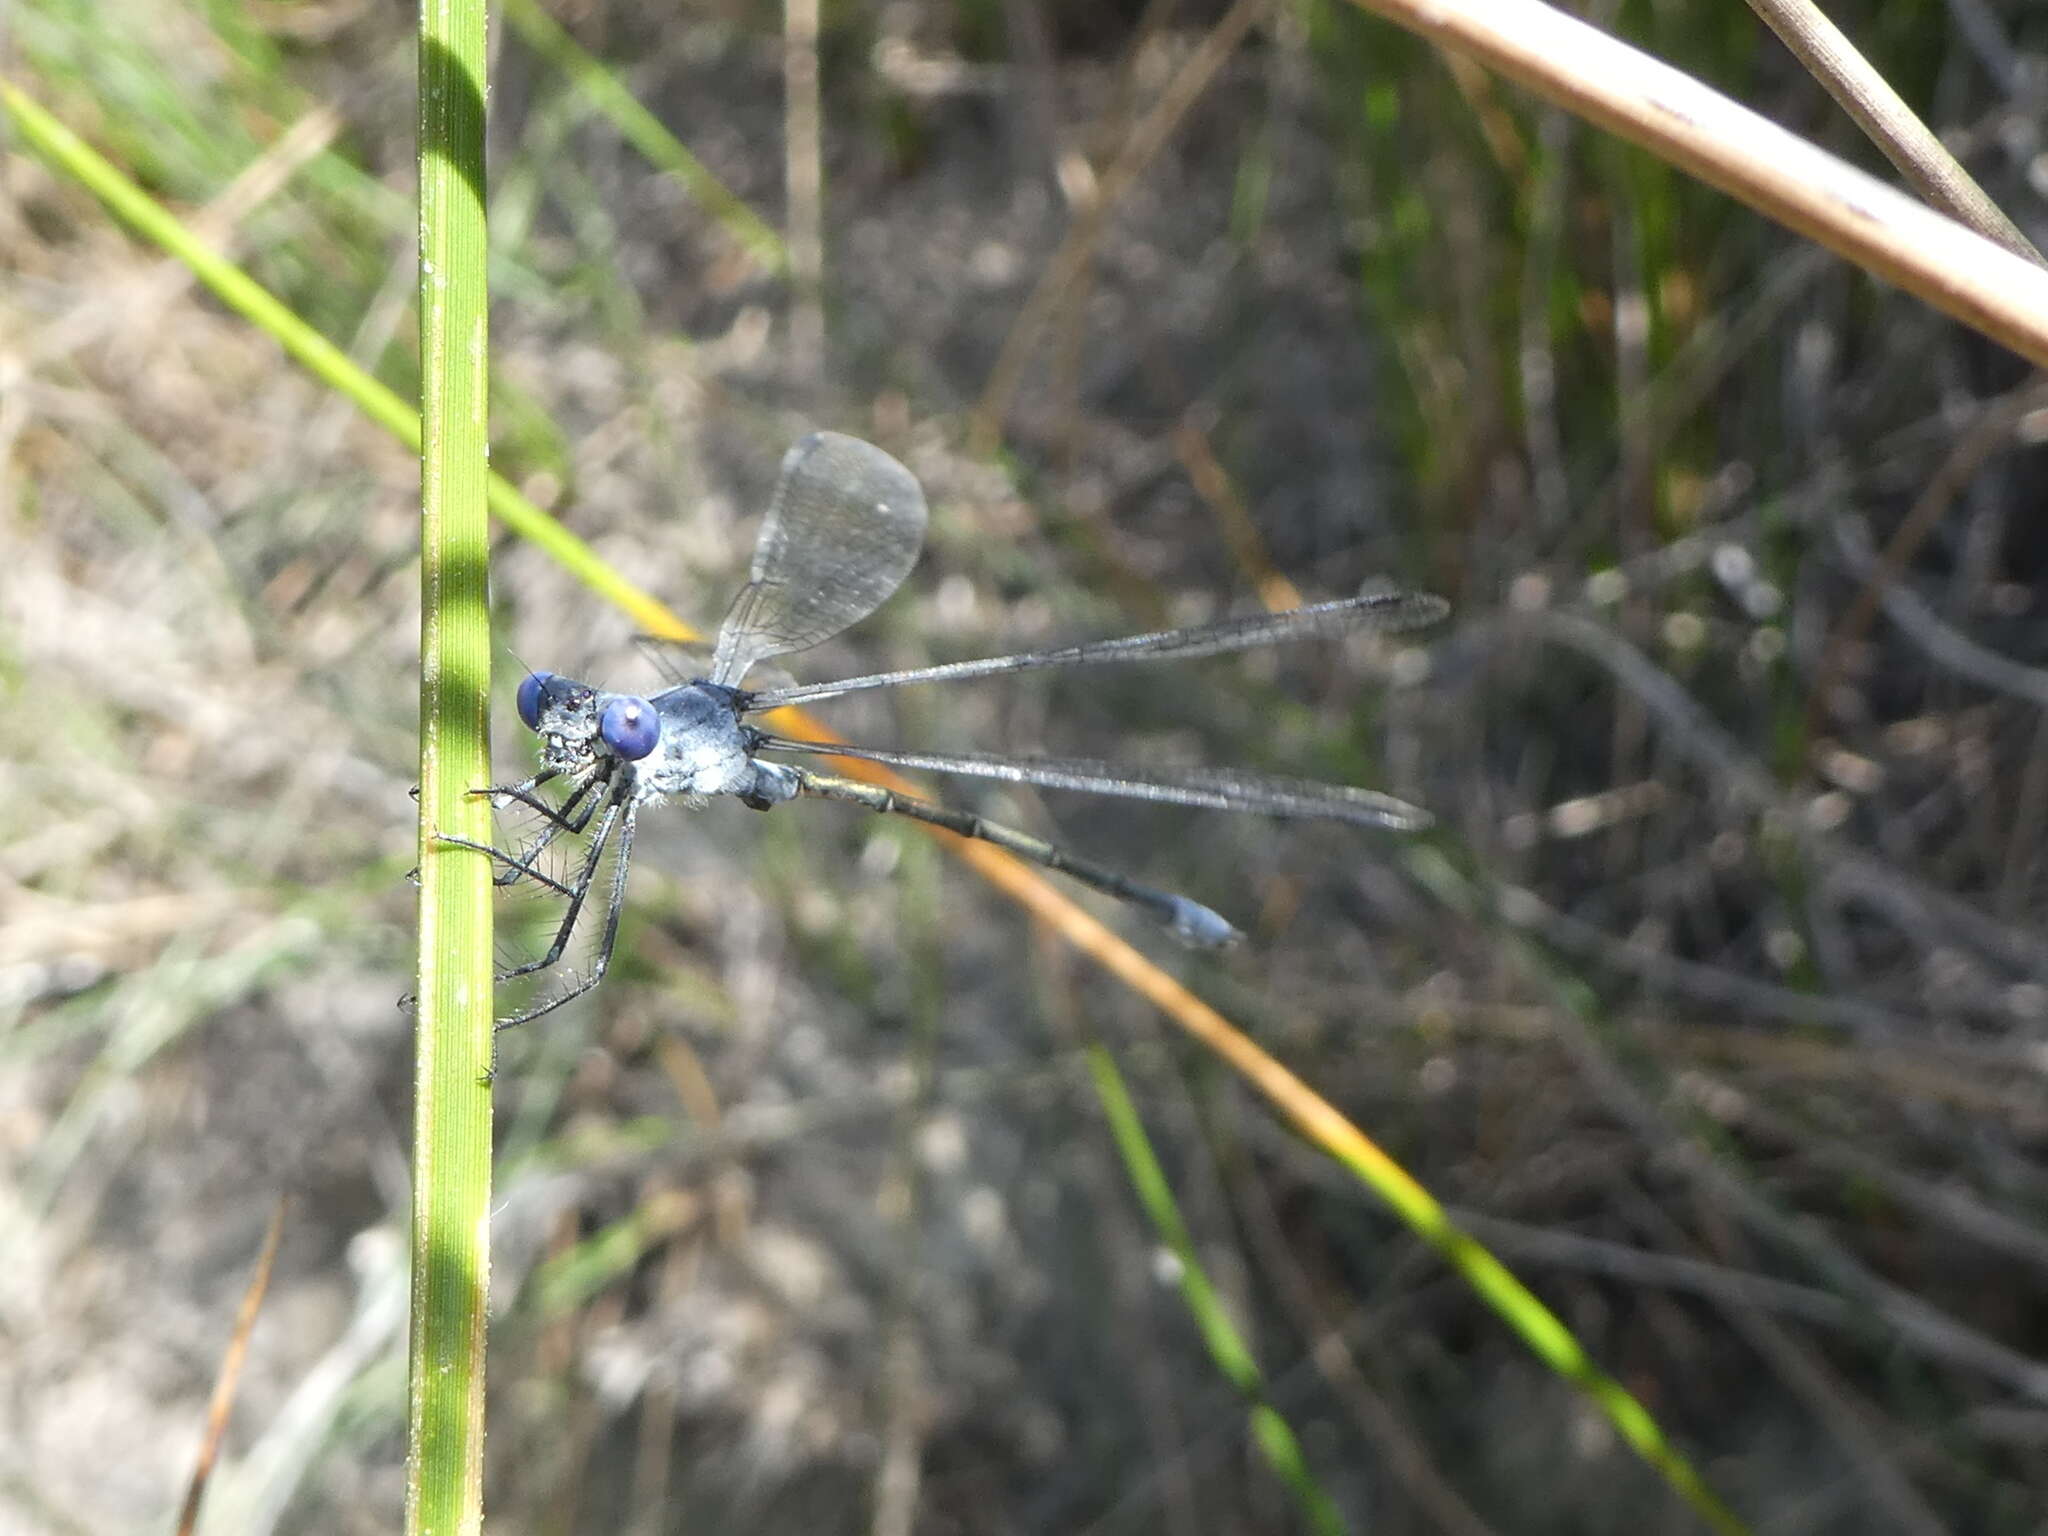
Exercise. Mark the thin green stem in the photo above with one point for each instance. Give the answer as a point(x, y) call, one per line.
point(314, 352)
point(1274, 1436)
point(452, 1115)
point(643, 130)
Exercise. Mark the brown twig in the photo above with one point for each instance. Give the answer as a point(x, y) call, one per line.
point(803, 168)
point(1726, 145)
point(229, 1376)
point(1992, 428)
point(1071, 259)
point(1888, 122)
point(1213, 484)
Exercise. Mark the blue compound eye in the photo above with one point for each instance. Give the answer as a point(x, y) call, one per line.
point(531, 688)
point(630, 727)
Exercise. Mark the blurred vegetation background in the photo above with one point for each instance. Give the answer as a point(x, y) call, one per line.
point(1717, 1005)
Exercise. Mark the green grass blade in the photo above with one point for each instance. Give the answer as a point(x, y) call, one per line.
point(313, 351)
point(1274, 1436)
point(237, 289)
point(644, 131)
point(452, 1114)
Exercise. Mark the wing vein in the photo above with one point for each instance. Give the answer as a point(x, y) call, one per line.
point(1223, 789)
point(1384, 612)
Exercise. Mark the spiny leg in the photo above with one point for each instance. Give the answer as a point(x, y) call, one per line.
point(614, 906)
point(571, 818)
point(576, 892)
point(558, 821)
point(1189, 921)
point(523, 791)
point(565, 817)
point(518, 866)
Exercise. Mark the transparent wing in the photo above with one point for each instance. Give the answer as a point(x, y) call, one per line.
point(680, 662)
point(843, 531)
point(1221, 789)
point(1382, 611)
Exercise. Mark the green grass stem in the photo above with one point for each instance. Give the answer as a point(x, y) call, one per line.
point(452, 1105)
point(1270, 1430)
point(640, 128)
point(313, 351)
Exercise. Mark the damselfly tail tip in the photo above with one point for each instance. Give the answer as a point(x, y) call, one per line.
point(1370, 808)
point(1200, 927)
point(1410, 610)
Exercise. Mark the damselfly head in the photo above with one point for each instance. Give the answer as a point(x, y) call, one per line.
point(566, 716)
